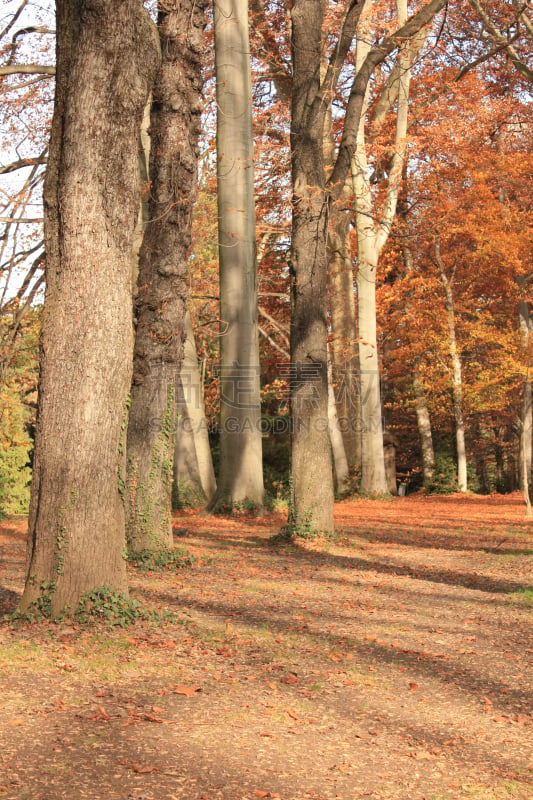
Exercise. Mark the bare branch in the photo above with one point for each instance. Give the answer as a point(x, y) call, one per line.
point(502, 40)
point(355, 105)
point(27, 69)
point(14, 18)
point(21, 163)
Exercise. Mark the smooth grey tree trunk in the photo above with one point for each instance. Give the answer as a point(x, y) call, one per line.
point(424, 428)
point(457, 372)
point(343, 317)
point(194, 475)
point(163, 276)
point(240, 478)
point(373, 229)
point(340, 460)
point(526, 415)
point(106, 61)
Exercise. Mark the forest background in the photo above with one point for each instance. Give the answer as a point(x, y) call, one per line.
point(451, 356)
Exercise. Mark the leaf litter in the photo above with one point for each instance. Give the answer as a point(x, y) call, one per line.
point(393, 662)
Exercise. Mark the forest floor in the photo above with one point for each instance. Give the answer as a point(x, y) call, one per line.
point(393, 663)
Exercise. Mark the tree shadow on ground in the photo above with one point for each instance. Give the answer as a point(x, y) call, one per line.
point(299, 552)
point(456, 540)
point(445, 667)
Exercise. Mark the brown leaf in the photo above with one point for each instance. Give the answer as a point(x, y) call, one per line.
point(413, 686)
point(290, 679)
point(142, 770)
point(189, 691)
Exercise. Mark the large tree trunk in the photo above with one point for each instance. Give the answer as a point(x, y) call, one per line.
point(106, 61)
point(162, 281)
point(311, 98)
point(240, 476)
point(312, 475)
point(194, 475)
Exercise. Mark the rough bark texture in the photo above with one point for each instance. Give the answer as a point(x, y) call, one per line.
point(194, 475)
point(240, 478)
point(106, 61)
point(312, 501)
point(162, 280)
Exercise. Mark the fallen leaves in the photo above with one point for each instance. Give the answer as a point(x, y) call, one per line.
point(336, 688)
point(188, 691)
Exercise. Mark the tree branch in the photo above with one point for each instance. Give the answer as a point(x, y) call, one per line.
point(27, 69)
point(21, 163)
point(355, 105)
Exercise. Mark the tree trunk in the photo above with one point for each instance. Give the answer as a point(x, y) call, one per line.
point(106, 61)
point(311, 466)
point(371, 238)
point(457, 375)
point(344, 350)
point(162, 282)
point(241, 471)
point(340, 461)
point(312, 504)
point(194, 475)
point(424, 428)
point(373, 478)
point(526, 416)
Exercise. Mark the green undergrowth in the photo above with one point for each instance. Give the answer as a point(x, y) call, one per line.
point(114, 608)
point(101, 605)
point(159, 560)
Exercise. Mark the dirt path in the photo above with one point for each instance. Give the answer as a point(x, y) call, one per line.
point(392, 663)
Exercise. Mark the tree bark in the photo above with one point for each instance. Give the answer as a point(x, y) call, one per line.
point(311, 466)
point(106, 61)
point(240, 478)
point(162, 282)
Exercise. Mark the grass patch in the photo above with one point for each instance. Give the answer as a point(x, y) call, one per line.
point(524, 595)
